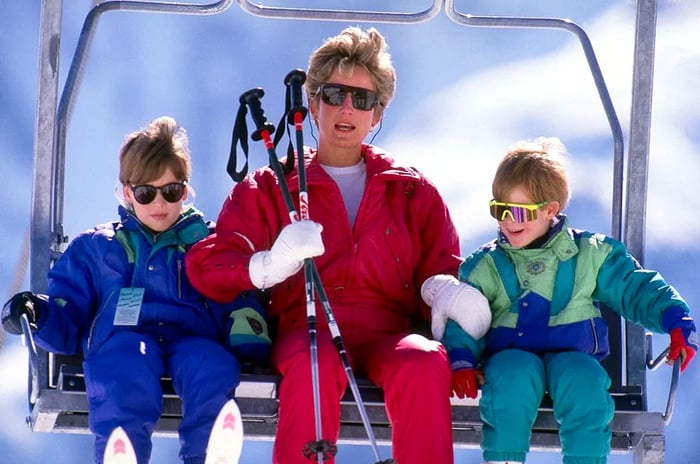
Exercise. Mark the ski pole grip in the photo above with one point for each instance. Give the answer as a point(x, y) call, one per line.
point(252, 99)
point(295, 80)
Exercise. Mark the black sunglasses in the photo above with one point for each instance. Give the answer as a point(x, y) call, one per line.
point(172, 192)
point(335, 94)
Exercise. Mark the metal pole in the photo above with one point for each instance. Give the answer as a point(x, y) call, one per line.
point(40, 230)
point(638, 167)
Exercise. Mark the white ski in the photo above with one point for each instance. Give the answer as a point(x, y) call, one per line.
point(119, 449)
point(226, 438)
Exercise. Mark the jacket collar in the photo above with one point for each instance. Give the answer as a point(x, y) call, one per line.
point(188, 229)
point(379, 164)
point(560, 240)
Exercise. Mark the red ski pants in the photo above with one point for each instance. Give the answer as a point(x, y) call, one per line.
point(413, 372)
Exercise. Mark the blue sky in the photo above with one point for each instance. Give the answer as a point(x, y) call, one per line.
point(464, 95)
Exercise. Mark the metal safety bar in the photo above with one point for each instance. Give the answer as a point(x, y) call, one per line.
point(68, 96)
point(88, 30)
point(342, 15)
point(76, 71)
point(28, 341)
point(569, 26)
point(654, 363)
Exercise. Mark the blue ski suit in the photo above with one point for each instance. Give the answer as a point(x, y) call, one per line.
point(547, 335)
point(120, 296)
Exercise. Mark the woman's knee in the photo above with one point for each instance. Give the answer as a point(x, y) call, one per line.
point(413, 357)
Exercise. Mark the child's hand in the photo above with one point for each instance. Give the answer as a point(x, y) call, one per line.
point(466, 381)
point(684, 343)
point(22, 303)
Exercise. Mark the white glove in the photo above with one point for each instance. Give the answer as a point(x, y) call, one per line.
point(451, 299)
point(296, 242)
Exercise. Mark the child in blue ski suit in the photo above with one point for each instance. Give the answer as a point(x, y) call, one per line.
point(543, 281)
point(120, 296)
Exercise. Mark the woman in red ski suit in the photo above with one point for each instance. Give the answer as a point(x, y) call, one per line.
point(377, 231)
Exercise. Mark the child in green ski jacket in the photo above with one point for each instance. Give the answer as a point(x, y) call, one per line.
point(544, 281)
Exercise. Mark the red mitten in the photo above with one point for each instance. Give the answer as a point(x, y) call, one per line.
point(684, 343)
point(465, 382)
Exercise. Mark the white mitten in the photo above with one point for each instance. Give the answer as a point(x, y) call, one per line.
point(296, 242)
point(451, 299)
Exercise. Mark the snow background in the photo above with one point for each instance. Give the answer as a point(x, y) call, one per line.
point(464, 96)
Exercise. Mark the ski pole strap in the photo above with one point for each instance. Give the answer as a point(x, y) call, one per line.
point(251, 98)
point(289, 162)
point(240, 135)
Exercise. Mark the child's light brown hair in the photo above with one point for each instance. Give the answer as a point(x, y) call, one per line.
point(538, 167)
point(147, 153)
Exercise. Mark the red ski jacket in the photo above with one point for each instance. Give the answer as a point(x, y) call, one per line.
point(371, 272)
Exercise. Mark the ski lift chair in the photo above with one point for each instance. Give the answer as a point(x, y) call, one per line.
point(56, 393)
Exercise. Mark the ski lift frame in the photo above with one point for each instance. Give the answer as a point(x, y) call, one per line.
point(56, 393)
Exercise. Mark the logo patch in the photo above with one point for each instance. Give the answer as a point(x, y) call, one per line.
point(536, 267)
point(255, 325)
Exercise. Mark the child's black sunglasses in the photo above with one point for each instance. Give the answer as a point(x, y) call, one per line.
point(172, 192)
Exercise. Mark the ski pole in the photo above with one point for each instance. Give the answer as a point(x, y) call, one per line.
point(294, 81)
point(323, 449)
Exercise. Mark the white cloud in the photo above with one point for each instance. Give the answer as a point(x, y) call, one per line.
point(13, 393)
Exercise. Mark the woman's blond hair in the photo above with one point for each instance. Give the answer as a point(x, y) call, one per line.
point(352, 48)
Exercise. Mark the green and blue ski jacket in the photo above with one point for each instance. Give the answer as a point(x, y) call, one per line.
point(549, 299)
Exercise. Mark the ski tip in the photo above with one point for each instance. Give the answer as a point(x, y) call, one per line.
point(226, 438)
point(119, 449)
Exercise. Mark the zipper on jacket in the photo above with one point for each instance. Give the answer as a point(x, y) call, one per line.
point(95, 319)
point(179, 278)
point(595, 337)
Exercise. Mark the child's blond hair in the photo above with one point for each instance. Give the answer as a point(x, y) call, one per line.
point(538, 166)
